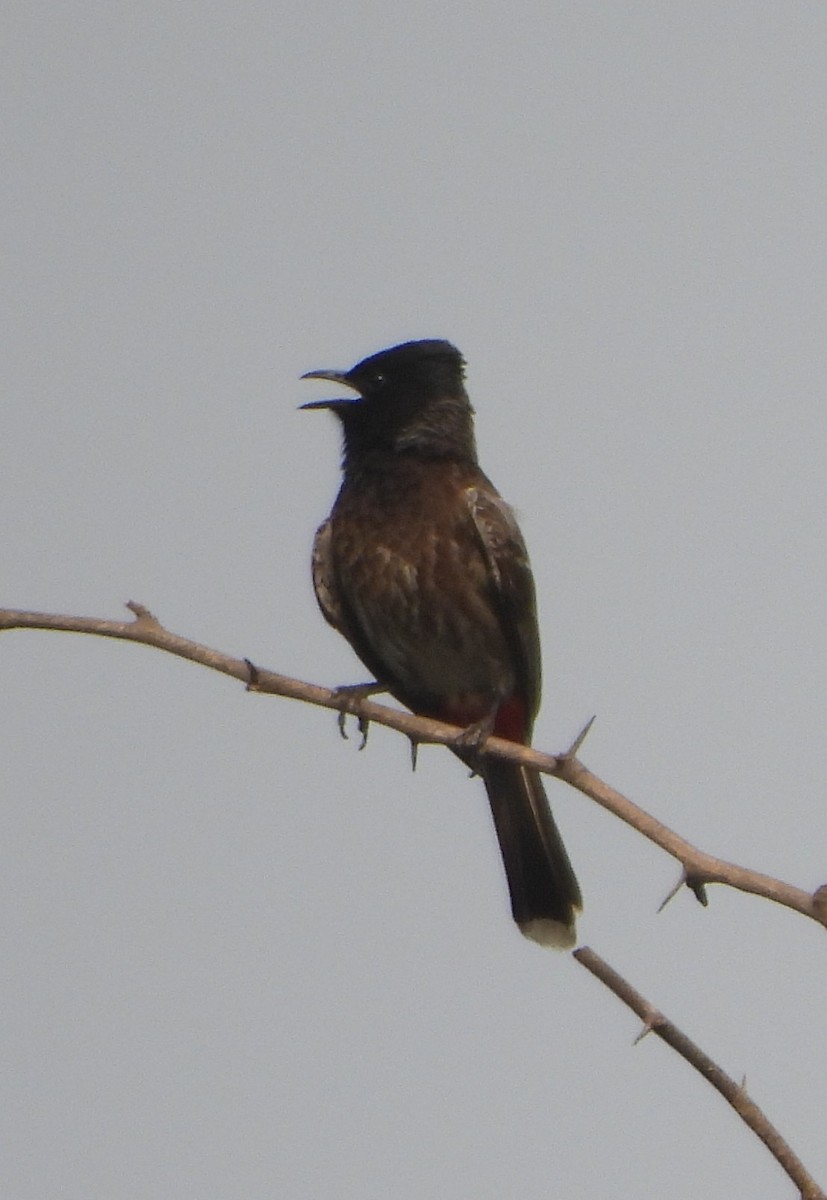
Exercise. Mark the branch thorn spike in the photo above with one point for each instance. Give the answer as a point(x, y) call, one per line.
point(673, 893)
point(142, 614)
point(581, 737)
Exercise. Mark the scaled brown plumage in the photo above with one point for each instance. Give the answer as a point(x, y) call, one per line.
point(422, 567)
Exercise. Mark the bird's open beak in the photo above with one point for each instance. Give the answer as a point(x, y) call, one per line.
point(332, 377)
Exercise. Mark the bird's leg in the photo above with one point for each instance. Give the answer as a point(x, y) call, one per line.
point(474, 737)
point(351, 695)
point(472, 740)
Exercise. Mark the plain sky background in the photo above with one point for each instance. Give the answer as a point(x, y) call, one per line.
point(240, 959)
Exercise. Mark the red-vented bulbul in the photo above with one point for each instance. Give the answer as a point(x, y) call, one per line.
point(422, 567)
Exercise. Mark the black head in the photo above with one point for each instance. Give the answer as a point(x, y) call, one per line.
point(410, 398)
point(432, 367)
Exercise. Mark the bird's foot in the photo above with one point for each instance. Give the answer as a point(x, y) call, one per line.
point(350, 696)
point(471, 742)
point(253, 675)
point(474, 737)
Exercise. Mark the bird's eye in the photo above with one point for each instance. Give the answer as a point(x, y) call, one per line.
point(377, 379)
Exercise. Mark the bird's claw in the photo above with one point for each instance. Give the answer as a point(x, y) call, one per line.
point(474, 737)
point(253, 676)
point(350, 696)
point(471, 742)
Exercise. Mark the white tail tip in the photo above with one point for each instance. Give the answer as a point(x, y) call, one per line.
point(546, 932)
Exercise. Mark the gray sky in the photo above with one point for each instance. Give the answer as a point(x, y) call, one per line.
point(239, 958)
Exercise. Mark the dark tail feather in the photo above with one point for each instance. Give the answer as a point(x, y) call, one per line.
point(543, 887)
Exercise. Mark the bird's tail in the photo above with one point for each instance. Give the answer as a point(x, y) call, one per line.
point(543, 886)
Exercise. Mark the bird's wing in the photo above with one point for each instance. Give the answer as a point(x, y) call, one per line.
point(335, 609)
point(512, 585)
point(324, 579)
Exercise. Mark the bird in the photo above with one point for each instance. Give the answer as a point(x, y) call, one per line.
point(422, 567)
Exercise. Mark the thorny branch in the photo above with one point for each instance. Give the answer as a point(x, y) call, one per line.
point(698, 867)
point(734, 1093)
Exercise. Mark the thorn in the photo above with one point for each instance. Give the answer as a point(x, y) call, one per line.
point(580, 739)
point(697, 886)
point(671, 895)
point(414, 752)
point(650, 1024)
point(253, 676)
point(142, 614)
